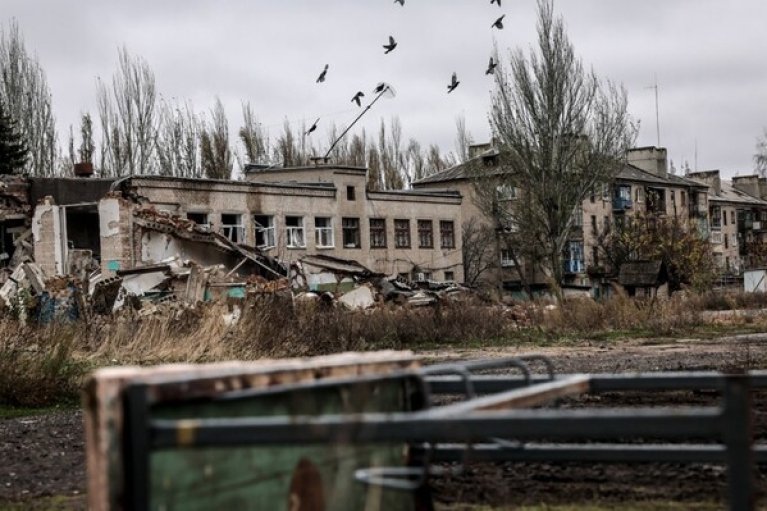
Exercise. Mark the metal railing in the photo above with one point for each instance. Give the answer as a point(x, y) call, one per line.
point(500, 425)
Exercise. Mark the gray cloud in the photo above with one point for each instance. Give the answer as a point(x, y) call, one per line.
point(708, 56)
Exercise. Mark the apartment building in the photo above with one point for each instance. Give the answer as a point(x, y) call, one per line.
point(738, 216)
point(642, 186)
point(285, 212)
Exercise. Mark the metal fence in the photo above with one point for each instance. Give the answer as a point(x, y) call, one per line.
point(494, 422)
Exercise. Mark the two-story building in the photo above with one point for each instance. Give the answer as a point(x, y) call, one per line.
point(284, 212)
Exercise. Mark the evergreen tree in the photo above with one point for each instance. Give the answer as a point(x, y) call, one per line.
point(13, 149)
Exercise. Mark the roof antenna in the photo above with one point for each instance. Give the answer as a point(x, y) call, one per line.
point(657, 116)
point(382, 88)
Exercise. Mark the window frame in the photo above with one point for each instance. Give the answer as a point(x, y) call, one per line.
point(268, 232)
point(295, 233)
point(377, 231)
point(327, 230)
point(353, 230)
point(228, 229)
point(402, 230)
point(447, 233)
point(425, 230)
point(206, 214)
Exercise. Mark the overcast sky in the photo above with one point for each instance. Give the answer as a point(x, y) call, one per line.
point(710, 58)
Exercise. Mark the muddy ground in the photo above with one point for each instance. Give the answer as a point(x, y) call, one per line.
point(43, 456)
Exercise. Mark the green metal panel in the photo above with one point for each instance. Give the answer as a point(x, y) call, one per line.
point(282, 477)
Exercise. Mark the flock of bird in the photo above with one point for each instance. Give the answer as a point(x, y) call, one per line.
point(389, 47)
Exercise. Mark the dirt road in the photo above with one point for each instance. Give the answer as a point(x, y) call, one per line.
point(43, 455)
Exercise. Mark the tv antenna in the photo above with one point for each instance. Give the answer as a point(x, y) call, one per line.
point(383, 89)
point(657, 115)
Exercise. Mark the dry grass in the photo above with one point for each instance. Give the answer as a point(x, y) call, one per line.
point(40, 366)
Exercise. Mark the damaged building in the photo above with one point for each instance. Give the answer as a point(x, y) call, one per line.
point(149, 230)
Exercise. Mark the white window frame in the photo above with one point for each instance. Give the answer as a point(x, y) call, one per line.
point(268, 232)
point(716, 237)
point(506, 260)
point(228, 229)
point(324, 233)
point(295, 234)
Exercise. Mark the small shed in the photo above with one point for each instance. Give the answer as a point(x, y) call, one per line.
point(644, 277)
point(755, 280)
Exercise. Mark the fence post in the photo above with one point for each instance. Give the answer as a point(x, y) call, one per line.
point(737, 433)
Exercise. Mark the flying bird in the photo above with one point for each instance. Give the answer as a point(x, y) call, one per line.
point(491, 66)
point(401, 2)
point(389, 47)
point(321, 78)
point(498, 23)
point(453, 84)
point(314, 127)
point(357, 97)
point(495, 2)
point(380, 88)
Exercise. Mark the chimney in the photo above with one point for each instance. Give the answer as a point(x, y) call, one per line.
point(711, 178)
point(650, 159)
point(747, 184)
point(477, 149)
point(83, 169)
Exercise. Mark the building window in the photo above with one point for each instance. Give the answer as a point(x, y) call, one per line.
point(323, 232)
point(506, 192)
point(200, 219)
point(606, 223)
point(377, 233)
point(593, 224)
point(684, 198)
point(294, 232)
point(449, 276)
point(351, 232)
point(578, 216)
point(606, 191)
point(574, 262)
point(672, 195)
point(724, 217)
point(506, 259)
point(350, 193)
point(447, 234)
point(726, 241)
point(732, 217)
point(422, 276)
point(425, 234)
point(264, 231)
point(402, 233)
point(232, 228)
point(595, 256)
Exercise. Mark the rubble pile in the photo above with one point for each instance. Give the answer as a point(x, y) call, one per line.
point(186, 264)
point(323, 277)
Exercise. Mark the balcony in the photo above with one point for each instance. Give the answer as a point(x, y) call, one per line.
point(574, 266)
point(621, 203)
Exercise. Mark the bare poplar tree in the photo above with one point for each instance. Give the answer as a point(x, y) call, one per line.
point(416, 163)
point(216, 154)
point(357, 154)
point(127, 112)
point(760, 157)
point(463, 139)
point(374, 168)
point(87, 147)
point(561, 132)
point(27, 98)
point(286, 149)
point(178, 140)
point(479, 250)
point(253, 138)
